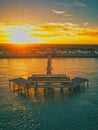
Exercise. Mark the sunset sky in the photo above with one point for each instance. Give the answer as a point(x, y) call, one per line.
point(49, 21)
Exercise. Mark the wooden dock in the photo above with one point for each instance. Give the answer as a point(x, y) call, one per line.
point(48, 80)
point(21, 83)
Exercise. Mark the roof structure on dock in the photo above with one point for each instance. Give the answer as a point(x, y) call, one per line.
point(17, 80)
point(76, 82)
point(21, 81)
point(49, 75)
point(79, 80)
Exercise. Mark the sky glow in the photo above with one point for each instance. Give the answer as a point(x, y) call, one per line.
point(49, 21)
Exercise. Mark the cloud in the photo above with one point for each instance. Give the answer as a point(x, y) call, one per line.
point(63, 13)
point(85, 24)
point(58, 12)
point(68, 15)
point(62, 4)
point(50, 30)
point(88, 32)
point(74, 3)
point(66, 33)
point(57, 32)
point(79, 4)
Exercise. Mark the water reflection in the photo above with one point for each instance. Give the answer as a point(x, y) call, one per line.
point(45, 94)
point(51, 109)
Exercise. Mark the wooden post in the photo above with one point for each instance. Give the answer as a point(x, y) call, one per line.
point(14, 86)
point(87, 83)
point(9, 84)
point(36, 84)
point(62, 90)
point(45, 90)
point(35, 89)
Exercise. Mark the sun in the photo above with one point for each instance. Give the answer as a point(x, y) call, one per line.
point(20, 35)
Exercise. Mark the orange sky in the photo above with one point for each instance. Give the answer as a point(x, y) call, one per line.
point(48, 33)
point(49, 21)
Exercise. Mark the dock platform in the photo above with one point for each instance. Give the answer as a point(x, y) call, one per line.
point(22, 83)
point(48, 80)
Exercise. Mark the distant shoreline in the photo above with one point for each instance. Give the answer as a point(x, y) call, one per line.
point(9, 51)
point(67, 56)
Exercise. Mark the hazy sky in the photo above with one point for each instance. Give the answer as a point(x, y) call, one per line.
point(42, 11)
point(70, 20)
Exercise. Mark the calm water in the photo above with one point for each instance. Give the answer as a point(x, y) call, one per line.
point(71, 110)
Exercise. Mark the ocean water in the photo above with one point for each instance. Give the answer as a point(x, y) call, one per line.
point(70, 110)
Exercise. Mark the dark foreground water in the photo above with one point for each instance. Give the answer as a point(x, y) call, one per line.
point(70, 110)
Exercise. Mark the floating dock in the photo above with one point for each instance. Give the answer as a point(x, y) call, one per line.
point(48, 80)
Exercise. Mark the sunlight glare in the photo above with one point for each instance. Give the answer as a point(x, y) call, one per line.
point(20, 35)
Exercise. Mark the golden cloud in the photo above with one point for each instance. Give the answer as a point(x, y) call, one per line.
point(54, 33)
point(91, 33)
